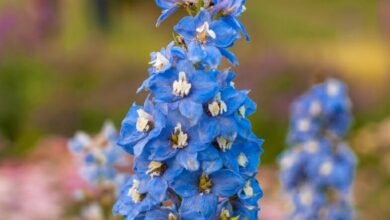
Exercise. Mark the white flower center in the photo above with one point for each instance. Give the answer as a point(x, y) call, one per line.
point(155, 168)
point(287, 161)
point(326, 168)
point(133, 192)
point(179, 138)
point(311, 146)
point(99, 156)
point(304, 125)
point(160, 62)
point(248, 190)
point(315, 108)
point(333, 88)
point(224, 144)
point(144, 121)
point(306, 196)
point(242, 111)
point(204, 32)
point(242, 160)
point(181, 87)
point(172, 216)
point(225, 213)
point(217, 107)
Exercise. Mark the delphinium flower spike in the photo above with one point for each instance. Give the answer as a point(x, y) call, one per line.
point(317, 169)
point(98, 158)
point(195, 156)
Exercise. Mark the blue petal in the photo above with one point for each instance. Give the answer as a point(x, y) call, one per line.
point(161, 86)
point(226, 183)
point(157, 188)
point(186, 28)
point(191, 110)
point(201, 206)
point(195, 52)
point(213, 57)
point(204, 88)
point(186, 184)
point(237, 25)
point(188, 160)
point(226, 35)
point(165, 14)
point(229, 56)
point(202, 17)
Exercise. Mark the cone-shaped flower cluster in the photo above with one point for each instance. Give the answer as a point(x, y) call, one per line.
point(195, 156)
point(318, 168)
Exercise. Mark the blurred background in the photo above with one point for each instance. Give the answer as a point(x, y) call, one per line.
point(69, 65)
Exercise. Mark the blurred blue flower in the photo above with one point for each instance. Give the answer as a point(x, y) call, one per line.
point(318, 168)
point(98, 156)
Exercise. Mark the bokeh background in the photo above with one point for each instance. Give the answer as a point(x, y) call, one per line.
point(70, 65)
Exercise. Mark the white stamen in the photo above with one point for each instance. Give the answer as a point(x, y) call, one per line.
point(224, 144)
point(160, 62)
point(143, 121)
point(306, 196)
point(332, 88)
point(181, 87)
point(242, 160)
point(204, 31)
point(248, 190)
point(153, 168)
point(326, 168)
point(172, 216)
point(217, 107)
point(99, 156)
point(242, 111)
point(225, 213)
point(311, 146)
point(182, 137)
point(304, 125)
point(315, 108)
point(287, 161)
point(133, 193)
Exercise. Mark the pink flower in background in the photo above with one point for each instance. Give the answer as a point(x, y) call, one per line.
point(27, 192)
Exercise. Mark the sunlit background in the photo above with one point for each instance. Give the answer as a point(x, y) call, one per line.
point(70, 65)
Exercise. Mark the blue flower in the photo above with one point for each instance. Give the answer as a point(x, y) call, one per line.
point(180, 141)
point(318, 168)
point(204, 37)
point(140, 125)
point(200, 192)
point(230, 10)
point(166, 58)
point(137, 196)
point(195, 155)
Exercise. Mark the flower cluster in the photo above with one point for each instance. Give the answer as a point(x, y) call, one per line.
point(318, 168)
point(195, 156)
point(98, 158)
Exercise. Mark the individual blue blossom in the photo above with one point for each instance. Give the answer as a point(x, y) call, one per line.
point(206, 39)
point(200, 191)
point(195, 155)
point(229, 10)
point(166, 58)
point(140, 125)
point(318, 168)
point(137, 196)
point(171, 6)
